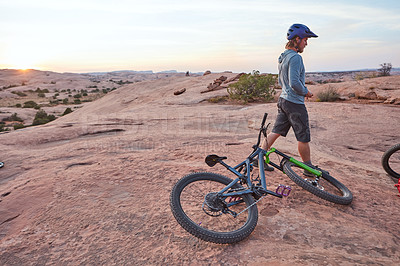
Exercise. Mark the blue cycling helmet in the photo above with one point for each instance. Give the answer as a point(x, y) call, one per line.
point(300, 30)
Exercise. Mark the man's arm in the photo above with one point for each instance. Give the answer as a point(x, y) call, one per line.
point(295, 65)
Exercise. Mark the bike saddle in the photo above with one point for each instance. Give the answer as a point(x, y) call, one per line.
point(213, 159)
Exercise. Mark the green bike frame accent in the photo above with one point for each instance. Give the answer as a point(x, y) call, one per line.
point(305, 167)
point(267, 159)
point(293, 160)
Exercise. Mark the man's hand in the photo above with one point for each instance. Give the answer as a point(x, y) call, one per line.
point(309, 94)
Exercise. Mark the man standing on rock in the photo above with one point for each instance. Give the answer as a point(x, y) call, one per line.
point(292, 111)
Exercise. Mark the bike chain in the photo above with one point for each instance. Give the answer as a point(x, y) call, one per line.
point(247, 207)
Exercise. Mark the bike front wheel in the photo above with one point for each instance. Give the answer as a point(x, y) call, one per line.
point(326, 187)
point(391, 161)
point(198, 211)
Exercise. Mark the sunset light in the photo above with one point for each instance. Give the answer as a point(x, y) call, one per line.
point(163, 35)
point(21, 59)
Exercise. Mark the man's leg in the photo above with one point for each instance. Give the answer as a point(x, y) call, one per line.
point(304, 151)
point(267, 142)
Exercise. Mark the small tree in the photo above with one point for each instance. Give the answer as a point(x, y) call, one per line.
point(30, 104)
point(67, 111)
point(252, 87)
point(385, 69)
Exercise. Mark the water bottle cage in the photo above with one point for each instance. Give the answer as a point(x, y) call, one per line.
point(283, 190)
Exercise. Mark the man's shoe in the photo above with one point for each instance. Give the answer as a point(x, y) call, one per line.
point(266, 166)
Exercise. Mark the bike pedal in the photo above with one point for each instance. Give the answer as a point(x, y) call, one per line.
point(283, 190)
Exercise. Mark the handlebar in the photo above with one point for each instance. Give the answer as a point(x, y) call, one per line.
point(264, 119)
point(262, 130)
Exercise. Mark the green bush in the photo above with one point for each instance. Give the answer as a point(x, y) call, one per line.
point(67, 111)
point(328, 95)
point(19, 93)
point(13, 117)
point(217, 99)
point(38, 90)
point(42, 117)
point(253, 87)
point(30, 104)
point(2, 127)
point(18, 126)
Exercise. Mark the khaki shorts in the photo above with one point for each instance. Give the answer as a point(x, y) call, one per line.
point(292, 115)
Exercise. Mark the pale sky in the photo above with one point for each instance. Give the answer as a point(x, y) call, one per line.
point(236, 35)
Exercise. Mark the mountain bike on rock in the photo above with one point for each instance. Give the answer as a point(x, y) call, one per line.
point(218, 209)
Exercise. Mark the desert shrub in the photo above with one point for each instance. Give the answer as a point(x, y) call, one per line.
point(41, 94)
point(38, 90)
point(2, 127)
point(13, 117)
point(385, 69)
point(42, 117)
point(253, 87)
point(77, 101)
point(65, 101)
point(67, 111)
point(19, 93)
point(359, 76)
point(18, 126)
point(18, 105)
point(9, 86)
point(30, 104)
point(77, 96)
point(217, 99)
point(328, 95)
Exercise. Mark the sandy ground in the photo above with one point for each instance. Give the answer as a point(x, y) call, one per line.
point(93, 187)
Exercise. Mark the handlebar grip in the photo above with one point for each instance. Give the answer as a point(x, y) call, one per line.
point(264, 119)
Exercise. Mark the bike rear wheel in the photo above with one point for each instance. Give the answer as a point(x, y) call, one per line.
point(391, 161)
point(327, 187)
point(190, 207)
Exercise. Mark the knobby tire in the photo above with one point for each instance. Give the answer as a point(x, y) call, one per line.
point(338, 192)
point(196, 221)
point(386, 161)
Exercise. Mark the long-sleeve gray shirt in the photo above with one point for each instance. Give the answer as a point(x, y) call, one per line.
point(292, 77)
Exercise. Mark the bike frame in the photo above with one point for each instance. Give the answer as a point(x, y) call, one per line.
point(257, 151)
point(247, 163)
